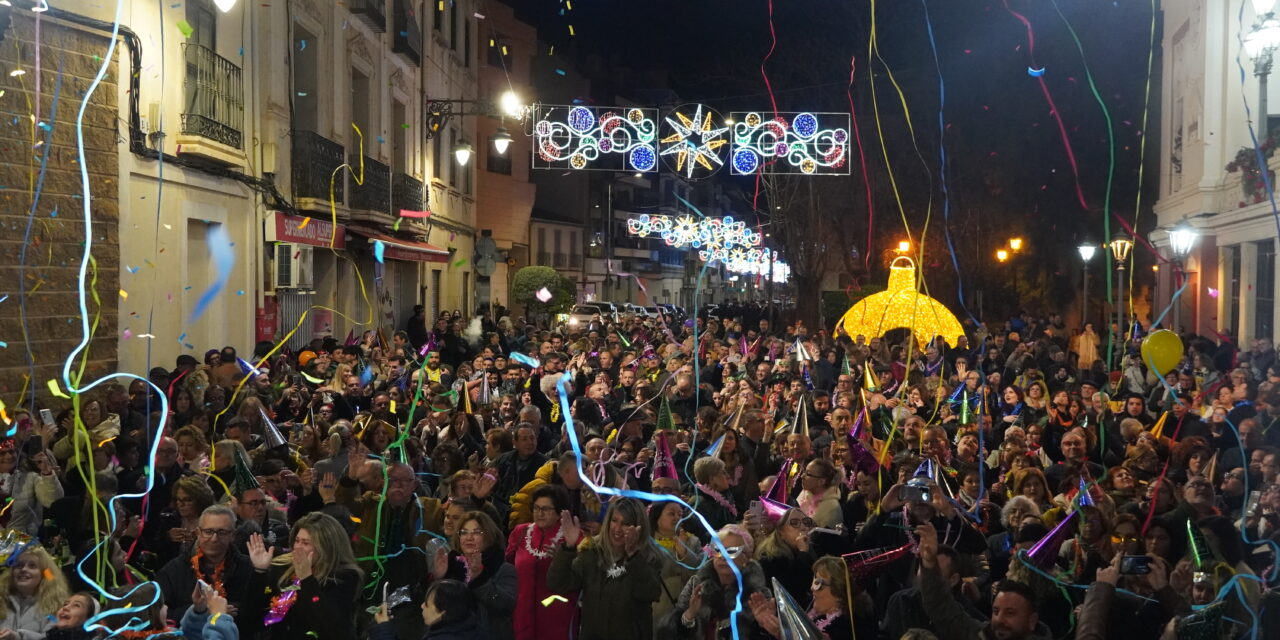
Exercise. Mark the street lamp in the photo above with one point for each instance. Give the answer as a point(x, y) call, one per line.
point(1120, 246)
point(1260, 44)
point(1087, 250)
point(1015, 244)
point(501, 140)
point(1002, 255)
point(1181, 239)
point(462, 152)
point(904, 246)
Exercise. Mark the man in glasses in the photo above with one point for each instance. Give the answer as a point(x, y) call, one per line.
point(213, 560)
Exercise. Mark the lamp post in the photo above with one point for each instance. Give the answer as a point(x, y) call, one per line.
point(508, 105)
point(1181, 239)
point(1120, 246)
point(1260, 45)
point(1087, 250)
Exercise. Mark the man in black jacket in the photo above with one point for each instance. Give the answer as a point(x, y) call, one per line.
point(220, 565)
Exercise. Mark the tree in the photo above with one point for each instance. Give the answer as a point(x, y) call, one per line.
point(530, 280)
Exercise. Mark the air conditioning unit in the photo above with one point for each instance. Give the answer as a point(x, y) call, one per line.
point(293, 266)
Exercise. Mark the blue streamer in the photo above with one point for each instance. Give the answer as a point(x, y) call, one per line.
point(524, 359)
point(563, 388)
point(942, 165)
point(224, 258)
point(379, 250)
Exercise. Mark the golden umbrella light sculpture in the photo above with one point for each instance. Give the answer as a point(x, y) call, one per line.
point(901, 306)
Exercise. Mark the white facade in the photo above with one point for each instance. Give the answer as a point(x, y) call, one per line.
point(1231, 272)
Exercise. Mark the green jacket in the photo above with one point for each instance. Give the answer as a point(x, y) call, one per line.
point(404, 532)
point(618, 608)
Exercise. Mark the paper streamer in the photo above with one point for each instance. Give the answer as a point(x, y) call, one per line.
point(379, 250)
point(524, 359)
point(224, 258)
point(405, 213)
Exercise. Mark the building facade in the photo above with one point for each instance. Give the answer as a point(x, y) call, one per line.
point(1230, 274)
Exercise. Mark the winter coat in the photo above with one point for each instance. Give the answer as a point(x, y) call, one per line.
point(494, 588)
point(26, 619)
point(400, 528)
point(533, 620)
point(322, 610)
point(717, 601)
point(673, 575)
point(177, 580)
point(66, 447)
point(522, 502)
point(827, 511)
point(469, 628)
point(32, 493)
point(202, 626)
point(618, 608)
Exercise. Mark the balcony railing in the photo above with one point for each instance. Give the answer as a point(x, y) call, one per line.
point(407, 40)
point(371, 12)
point(214, 106)
point(544, 258)
point(407, 192)
point(375, 193)
point(314, 159)
point(575, 261)
point(561, 260)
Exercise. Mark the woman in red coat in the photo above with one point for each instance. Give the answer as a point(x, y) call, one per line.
point(531, 548)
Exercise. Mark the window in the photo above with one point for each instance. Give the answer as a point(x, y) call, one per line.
point(305, 98)
point(399, 143)
point(453, 164)
point(437, 20)
point(499, 53)
point(466, 43)
point(542, 246)
point(575, 243)
point(360, 114)
point(204, 22)
point(1234, 307)
point(499, 163)
point(453, 25)
point(1264, 315)
point(467, 172)
point(437, 156)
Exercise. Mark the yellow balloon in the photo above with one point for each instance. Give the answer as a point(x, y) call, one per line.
point(1162, 350)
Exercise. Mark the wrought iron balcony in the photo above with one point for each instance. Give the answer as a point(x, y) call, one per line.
point(371, 12)
point(314, 159)
point(407, 192)
point(375, 193)
point(214, 106)
point(407, 40)
point(575, 261)
point(544, 258)
point(561, 260)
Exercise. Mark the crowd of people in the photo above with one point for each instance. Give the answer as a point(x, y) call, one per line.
point(638, 477)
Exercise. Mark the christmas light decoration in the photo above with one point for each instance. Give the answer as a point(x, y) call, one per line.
point(901, 306)
point(725, 240)
point(693, 141)
point(808, 143)
point(602, 138)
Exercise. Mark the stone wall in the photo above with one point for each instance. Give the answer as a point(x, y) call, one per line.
point(54, 211)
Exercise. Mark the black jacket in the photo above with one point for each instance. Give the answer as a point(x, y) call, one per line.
point(322, 611)
point(177, 580)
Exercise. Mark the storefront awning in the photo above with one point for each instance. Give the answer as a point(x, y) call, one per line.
point(401, 249)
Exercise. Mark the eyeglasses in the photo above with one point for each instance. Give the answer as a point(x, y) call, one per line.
point(538, 509)
point(819, 584)
point(255, 503)
point(1117, 539)
point(216, 533)
point(471, 532)
point(796, 523)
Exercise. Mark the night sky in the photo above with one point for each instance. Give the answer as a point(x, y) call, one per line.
point(1007, 167)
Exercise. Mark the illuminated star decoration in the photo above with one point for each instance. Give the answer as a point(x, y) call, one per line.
point(694, 141)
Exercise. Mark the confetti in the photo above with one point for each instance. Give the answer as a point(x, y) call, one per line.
point(1035, 73)
point(304, 223)
point(124, 295)
point(405, 213)
point(549, 600)
point(379, 250)
point(302, 46)
point(186, 28)
point(55, 390)
point(126, 334)
point(239, 292)
point(223, 256)
point(396, 226)
point(543, 295)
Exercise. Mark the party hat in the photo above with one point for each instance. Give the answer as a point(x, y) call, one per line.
point(801, 353)
point(859, 458)
point(928, 468)
point(666, 422)
point(870, 381)
point(664, 465)
point(244, 480)
point(800, 424)
point(778, 491)
point(270, 433)
point(486, 393)
point(845, 370)
point(1157, 429)
point(466, 399)
point(713, 450)
point(774, 510)
point(966, 415)
point(1045, 552)
point(248, 369)
point(864, 565)
point(351, 337)
point(793, 622)
point(1086, 499)
point(736, 422)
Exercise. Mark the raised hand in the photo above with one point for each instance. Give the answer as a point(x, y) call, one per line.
point(928, 551)
point(571, 528)
point(328, 487)
point(259, 554)
point(198, 598)
point(695, 603)
point(485, 482)
point(218, 605)
point(301, 565)
point(308, 481)
point(1110, 574)
point(357, 462)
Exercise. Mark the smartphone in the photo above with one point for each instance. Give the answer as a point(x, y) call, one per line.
point(204, 586)
point(1135, 565)
point(914, 494)
point(46, 416)
point(1251, 505)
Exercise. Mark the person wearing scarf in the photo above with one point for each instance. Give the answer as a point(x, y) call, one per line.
point(531, 548)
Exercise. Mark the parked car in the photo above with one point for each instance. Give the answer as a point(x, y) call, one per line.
point(583, 314)
point(607, 310)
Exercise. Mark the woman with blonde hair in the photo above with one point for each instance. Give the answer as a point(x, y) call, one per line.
point(310, 592)
point(31, 592)
point(614, 570)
